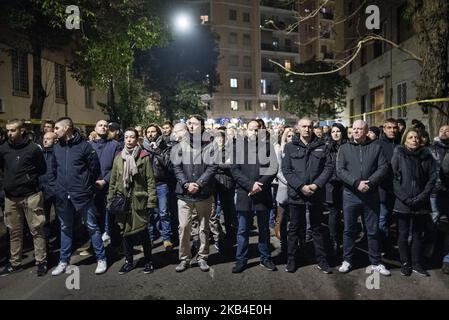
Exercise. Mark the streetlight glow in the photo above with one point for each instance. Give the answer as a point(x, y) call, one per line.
point(183, 22)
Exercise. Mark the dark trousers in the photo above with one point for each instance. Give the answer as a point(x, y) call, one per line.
point(353, 206)
point(334, 221)
point(141, 238)
point(224, 200)
point(297, 228)
point(51, 227)
point(414, 225)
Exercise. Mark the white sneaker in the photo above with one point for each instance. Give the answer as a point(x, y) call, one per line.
point(345, 267)
point(60, 269)
point(106, 239)
point(381, 269)
point(102, 266)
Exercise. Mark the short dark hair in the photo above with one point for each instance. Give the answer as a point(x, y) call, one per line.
point(391, 120)
point(67, 120)
point(168, 122)
point(262, 124)
point(401, 121)
point(200, 119)
point(133, 130)
point(50, 122)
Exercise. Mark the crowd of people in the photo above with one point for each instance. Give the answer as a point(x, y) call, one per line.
point(193, 187)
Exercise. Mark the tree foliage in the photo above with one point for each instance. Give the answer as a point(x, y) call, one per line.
point(181, 72)
point(320, 96)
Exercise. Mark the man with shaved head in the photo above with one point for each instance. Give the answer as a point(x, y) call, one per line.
point(361, 165)
point(106, 150)
point(77, 170)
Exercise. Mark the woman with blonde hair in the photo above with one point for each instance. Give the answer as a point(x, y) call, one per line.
point(415, 174)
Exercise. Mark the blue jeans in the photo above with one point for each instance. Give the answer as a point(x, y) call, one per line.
point(89, 219)
point(245, 219)
point(386, 209)
point(161, 221)
point(353, 206)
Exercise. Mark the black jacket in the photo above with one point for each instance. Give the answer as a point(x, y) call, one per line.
point(386, 185)
point(414, 178)
point(48, 180)
point(193, 165)
point(306, 164)
point(160, 158)
point(439, 149)
point(77, 169)
point(22, 164)
point(254, 164)
point(223, 176)
point(334, 187)
point(357, 162)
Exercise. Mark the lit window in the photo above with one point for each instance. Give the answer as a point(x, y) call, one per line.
point(233, 82)
point(263, 105)
point(204, 19)
point(287, 64)
point(234, 105)
point(263, 84)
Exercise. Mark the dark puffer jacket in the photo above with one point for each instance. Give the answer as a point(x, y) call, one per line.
point(357, 162)
point(386, 185)
point(223, 175)
point(414, 178)
point(77, 169)
point(160, 159)
point(306, 164)
point(48, 180)
point(439, 149)
point(334, 187)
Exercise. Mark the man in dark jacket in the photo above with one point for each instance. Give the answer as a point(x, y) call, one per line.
point(387, 141)
point(106, 150)
point(47, 181)
point(307, 166)
point(159, 153)
point(439, 198)
point(254, 170)
point(194, 169)
point(77, 170)
point(361, 165)
point(22, 162)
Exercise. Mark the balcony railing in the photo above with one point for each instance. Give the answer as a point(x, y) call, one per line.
point(327, 16)
point(270, 47)
point(286, 5)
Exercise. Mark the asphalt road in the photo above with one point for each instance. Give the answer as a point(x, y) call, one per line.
point(219, 283)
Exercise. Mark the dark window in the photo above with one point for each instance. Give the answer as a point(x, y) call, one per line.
point(248, 106)
point(233, 14)
point(248, 83)
point(363, 56)
point(246, 17)
point(89, 97)
point(60, 84)
point(246, 40)
point(247, 61)
point(363, 104)
point(233, 60)
point(19, 72)
point(232, 38)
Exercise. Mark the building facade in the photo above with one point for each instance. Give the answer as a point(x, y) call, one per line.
point(251, 32)
point(65, 97)
point(380, 76)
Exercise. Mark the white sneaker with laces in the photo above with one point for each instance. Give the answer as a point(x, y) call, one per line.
point(345, 267)
point(102, 266)
point(106, 239)
point(381, 269)
point(60, 269)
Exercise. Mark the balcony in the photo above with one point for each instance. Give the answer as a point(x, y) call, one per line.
point(326, 55)
point(268, 67)
point(271, 47)
point(279, 4)
point(277, 25)
point(327, 16)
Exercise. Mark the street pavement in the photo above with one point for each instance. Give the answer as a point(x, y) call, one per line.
point(219, 283)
